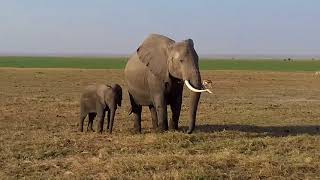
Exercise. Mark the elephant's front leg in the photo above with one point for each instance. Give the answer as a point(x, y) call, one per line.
point(101, 122)
point(112, 114)
point(176, 109)
point(161, 107)
point(108, 119)
point(101, 114)
point(154, 117)
point(175, 106)
point(175, 101)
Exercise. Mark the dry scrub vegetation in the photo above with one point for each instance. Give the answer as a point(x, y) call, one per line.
point(256, 125)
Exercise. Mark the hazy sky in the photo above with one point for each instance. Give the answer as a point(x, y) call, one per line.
point(117, 27)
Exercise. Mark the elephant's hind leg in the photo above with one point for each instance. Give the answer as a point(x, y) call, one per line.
point(90, 122)
point(136, 113)
point(82, 117)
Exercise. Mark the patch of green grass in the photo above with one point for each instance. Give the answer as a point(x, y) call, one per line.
point(120, 62)
point(260, 65)
point(64, 62)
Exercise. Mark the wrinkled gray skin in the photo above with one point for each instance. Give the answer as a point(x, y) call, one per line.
point(95, 101)
point(154, 75)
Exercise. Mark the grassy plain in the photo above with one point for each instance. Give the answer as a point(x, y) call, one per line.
point(256, 125)
point(119, 63)
point(64, 62)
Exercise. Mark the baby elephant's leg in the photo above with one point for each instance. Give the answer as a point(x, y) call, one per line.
point(82, 117)
point(101, 114)
point(108, 118)
point(90, 122)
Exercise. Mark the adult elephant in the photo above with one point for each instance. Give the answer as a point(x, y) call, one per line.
point(155, 74)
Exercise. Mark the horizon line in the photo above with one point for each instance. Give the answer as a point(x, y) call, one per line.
point(215, 55)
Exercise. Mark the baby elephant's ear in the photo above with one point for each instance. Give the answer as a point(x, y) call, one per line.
point(119, 97)
point(118, 90)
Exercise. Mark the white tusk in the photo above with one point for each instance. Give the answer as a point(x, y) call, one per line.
point(209, 91)
point(194, 89)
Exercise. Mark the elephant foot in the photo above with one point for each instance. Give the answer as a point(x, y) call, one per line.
point(173, 130)
point(173, 126)
point(90, 130)
point(155, 126)
point(161, 130)
point(189, 131)
point(136, 131)
point(137, 128)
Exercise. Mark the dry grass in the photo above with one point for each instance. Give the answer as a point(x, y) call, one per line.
point(255, 125)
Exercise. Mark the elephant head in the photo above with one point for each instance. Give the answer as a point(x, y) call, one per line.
point(115, 98)
point(164, 57)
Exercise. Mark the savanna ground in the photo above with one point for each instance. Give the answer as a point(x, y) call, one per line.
point(256, 125)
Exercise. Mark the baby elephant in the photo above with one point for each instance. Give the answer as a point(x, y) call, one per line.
point(96, 100)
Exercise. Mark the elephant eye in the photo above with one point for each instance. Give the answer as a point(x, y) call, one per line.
point(181, 60)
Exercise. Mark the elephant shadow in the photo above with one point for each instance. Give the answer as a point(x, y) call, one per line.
point(276, 131)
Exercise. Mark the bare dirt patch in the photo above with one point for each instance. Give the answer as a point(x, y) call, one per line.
point(255, 125)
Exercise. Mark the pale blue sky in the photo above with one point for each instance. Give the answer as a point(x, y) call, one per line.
point(117, 27)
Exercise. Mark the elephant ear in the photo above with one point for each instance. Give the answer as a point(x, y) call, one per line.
point(191, 44)
point(153, 52)
point(118, 92)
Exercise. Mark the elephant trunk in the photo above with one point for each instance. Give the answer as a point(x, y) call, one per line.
point(195, 81)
